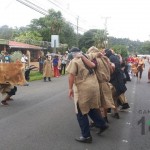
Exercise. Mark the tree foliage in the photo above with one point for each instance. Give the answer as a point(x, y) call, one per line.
point(87, 40)
point(54, 24)
point(40, 30)
point(100, 39)
point(145, 49)
point(29, 37)
point(131, 46)
point(120, 49)
point(6, 32)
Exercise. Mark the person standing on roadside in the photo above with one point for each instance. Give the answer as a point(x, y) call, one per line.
point(7, 57)
point(47, 68)
point(63, 63)
point(55, 66)
point(24, 60)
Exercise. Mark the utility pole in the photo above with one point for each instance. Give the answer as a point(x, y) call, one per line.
point(105, 28)
point(105, 22)
point(77, 38)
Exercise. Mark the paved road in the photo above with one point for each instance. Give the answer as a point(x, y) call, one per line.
point(42, 118)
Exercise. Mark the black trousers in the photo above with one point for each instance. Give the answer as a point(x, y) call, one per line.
point(84, 121)
point(63, 68)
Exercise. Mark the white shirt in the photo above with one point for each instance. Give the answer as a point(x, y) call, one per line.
point(24, 59)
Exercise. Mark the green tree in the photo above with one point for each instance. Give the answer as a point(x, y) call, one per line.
point(54, 24)
point(145, 48)
point(68, 35)
point(6, 32)
point(120, 49)
point(30, 37)
point(132, 46)
point(100, 39)
point(87, 40)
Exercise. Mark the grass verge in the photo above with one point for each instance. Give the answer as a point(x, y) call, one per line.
point(35, 75)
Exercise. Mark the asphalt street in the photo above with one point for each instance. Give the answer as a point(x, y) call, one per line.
point(42, 117)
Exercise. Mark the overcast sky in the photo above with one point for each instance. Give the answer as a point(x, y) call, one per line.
point(125, 18)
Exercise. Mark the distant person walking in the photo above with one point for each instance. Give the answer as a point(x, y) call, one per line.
point(140, 68)
point(41, 62)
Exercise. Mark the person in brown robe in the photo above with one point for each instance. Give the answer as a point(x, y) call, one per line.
point(103, 70)
point(47, 69)
point(86, 92)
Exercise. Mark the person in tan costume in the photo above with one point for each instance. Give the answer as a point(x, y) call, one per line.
point(83, 86)
point(102, 70)
point(47, 69)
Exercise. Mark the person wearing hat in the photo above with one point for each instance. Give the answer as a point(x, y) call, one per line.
point(84, 88)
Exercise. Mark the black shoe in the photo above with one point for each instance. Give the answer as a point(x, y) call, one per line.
point(93, 125)
point(44, 79)
point(109, 110)
point(84, 140)
point(125, 106)
point(116, 115)
point(102, 129)
point(4, 103)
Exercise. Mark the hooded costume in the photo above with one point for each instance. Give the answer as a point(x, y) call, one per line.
point(117, 78)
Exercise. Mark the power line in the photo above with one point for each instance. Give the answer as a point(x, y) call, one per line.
point(73, 14)
point(45, 12)
point(62, 8)
point(68, 12)
point(36, 6)
point(41, 12)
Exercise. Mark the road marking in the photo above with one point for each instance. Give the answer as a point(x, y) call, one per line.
point(128, 123)
point(124, 141)
point(133, 92)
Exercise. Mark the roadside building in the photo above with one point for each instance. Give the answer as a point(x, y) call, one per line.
point(31, 51)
